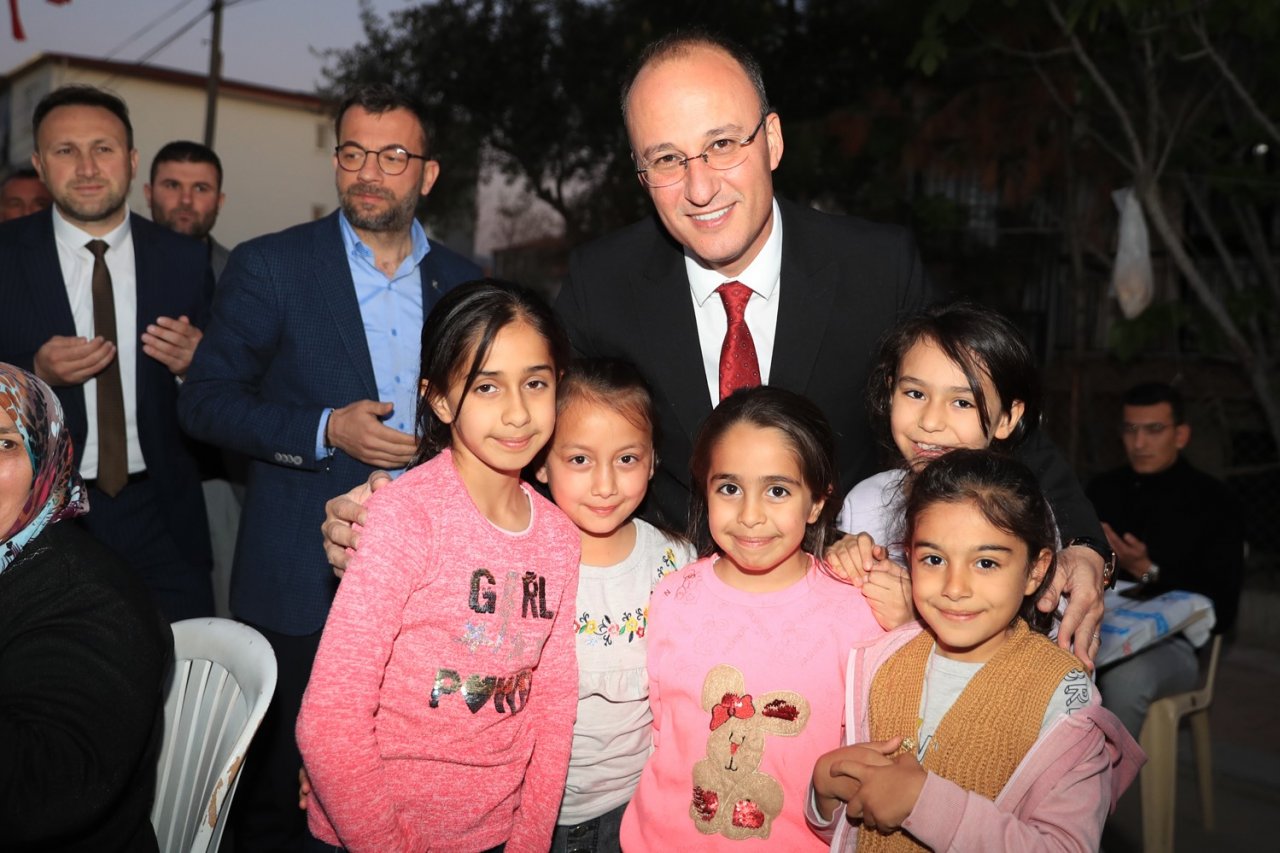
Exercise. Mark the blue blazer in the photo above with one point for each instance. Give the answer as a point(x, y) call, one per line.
point(286, 341)
point(173, 279)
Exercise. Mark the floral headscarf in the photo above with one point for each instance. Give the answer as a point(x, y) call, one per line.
point(57, 492)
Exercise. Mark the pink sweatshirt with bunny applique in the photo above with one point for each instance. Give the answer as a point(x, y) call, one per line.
point(747, 692)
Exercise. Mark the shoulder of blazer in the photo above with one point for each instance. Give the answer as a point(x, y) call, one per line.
point(807, 224)
point(27, 230)
point(449, 265)
point(637, 239)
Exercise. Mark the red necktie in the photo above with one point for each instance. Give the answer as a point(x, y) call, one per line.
point(738, 365)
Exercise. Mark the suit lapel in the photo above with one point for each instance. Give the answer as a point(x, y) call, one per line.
point(149, 279)
point(663, 292)
point(336, 287)
point(804, 312)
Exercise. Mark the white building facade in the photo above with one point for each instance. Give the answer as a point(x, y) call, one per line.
point(276, 146)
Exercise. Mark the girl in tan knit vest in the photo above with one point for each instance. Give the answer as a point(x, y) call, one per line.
point(976, 732)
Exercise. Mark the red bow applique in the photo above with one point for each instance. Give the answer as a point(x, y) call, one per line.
point(732, 705)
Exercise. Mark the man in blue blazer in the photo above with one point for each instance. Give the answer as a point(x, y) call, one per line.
point(310, 367)
point(105, 306)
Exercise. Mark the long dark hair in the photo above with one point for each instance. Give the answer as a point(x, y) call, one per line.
point(1008, 496)
point(809, 436)
point(463, 325)
point(984, 343)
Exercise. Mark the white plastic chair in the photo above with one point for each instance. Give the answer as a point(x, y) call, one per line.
point(224, 674)
point(1159, 740)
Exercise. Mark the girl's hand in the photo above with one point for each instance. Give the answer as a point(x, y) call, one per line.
point(830, 788)
point(304, 788)
point(887, 589)
point(852, 556)
point(886, 792)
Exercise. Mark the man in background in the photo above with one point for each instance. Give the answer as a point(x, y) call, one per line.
point(23, 193)
point(185, 195)
point(1172, 527)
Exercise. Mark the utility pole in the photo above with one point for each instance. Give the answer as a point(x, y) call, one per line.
point(215, 73)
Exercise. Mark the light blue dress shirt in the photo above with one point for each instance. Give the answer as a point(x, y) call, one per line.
point(391, 311)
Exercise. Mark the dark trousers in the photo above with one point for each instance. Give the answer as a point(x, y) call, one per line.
point(265, 814)
point(133, 524)
point(598, 835)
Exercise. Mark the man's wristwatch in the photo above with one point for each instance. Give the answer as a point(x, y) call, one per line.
point(1151, 575)
point(1104, 551)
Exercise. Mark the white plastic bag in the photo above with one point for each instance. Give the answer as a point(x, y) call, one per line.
point(1132, 282)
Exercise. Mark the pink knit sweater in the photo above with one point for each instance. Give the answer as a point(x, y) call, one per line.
point(747, 691)
point(440, 709)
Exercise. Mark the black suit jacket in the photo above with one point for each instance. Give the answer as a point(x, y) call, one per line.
point(173, 279)
point(844, 281)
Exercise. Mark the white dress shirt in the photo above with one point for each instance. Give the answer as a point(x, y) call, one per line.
point(763, 277)
point(76, 263)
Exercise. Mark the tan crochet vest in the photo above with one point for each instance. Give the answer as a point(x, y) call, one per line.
point(986, 733)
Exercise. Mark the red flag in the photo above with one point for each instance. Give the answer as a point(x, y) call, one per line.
point(18, 33)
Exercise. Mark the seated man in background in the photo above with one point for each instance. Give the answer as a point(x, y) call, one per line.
point(1172, 527)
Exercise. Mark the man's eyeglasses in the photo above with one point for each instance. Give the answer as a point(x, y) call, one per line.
point(668, 169)
point(1149, 430)
point(392, 160)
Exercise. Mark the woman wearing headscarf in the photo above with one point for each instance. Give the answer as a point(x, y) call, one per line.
point(84, 653)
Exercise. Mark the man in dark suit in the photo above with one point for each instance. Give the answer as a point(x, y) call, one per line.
point(310, 367)
point(816, 290)
point(104, 306)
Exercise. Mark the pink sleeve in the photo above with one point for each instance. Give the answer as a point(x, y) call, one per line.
point(556, 686)
point(1068, 817)
point(336, 727)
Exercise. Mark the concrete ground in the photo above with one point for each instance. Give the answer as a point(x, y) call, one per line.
point(1246, 752)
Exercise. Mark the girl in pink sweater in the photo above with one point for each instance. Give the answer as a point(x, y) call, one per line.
point(747, 646)
point(439, 714)
point(976, 733)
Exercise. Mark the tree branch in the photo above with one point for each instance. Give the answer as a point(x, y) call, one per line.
point(1197, 27)
point(1082, 56)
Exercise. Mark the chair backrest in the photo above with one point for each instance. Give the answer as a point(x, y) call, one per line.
point(1211, 672)
point(224, 674)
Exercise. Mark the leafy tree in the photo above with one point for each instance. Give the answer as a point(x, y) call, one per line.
point(1177, 99)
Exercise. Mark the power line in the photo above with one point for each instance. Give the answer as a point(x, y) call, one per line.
point(148, 28)
point(142, 60)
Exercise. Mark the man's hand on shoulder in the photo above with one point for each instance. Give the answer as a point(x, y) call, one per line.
point(1079, 577)
point(64, 360)
point(358, 431)
point(341, 515)
point(172, 343)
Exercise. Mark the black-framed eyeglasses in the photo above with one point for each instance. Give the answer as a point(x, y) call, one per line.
point(392, 160)
point(1151, 430)
point(667, 169)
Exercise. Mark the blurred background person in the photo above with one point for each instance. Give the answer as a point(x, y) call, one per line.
point(1172, 527)
point(185, 194)
point(23, 193)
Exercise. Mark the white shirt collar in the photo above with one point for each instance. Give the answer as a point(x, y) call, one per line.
point(761, 275)
point(75, 237)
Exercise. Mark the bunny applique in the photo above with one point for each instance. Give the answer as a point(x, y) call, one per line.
point(730, 796)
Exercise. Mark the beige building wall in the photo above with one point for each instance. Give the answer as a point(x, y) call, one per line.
point(276, 156)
